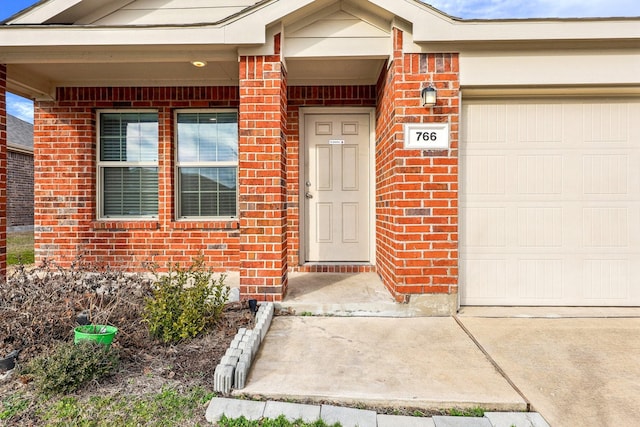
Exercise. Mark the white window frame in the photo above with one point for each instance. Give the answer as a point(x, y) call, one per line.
point(178, 165)
point(100, 165)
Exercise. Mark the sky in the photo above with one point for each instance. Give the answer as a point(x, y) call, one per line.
point(499, 9)
point(468, 9)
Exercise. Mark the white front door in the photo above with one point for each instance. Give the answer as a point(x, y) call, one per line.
point(336, 187)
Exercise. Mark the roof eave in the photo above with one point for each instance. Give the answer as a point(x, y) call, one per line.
point(19, 149)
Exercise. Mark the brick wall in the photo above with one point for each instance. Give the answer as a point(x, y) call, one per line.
point(19, 189)
point(312, 96)
point(417, 190)
point(64, 138)
point(65, 176)
point(3, 172)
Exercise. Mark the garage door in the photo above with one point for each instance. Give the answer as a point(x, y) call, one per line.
point(550, 202)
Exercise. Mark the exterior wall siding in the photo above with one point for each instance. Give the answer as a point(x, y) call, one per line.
point(19, 189)
point(65, 174)
point(417, 190)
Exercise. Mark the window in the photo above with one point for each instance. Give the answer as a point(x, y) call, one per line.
point(128, 164)
point(207, 164)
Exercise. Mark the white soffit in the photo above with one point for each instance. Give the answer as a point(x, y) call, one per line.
point(145, 74)
point(40, 80)
point(301, 72)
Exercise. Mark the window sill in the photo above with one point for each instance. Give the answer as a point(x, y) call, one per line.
point(220, 224)
point(125, 225)
point(113, 225)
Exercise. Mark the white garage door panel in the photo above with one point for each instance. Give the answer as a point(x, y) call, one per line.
point(550, 202)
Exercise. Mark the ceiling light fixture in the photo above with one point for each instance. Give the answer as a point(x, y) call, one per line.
point(199, 64)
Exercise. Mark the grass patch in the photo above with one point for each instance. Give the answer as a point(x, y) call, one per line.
point(20, 248)
point(13, 405)
point(166, 408)
point(470, 412)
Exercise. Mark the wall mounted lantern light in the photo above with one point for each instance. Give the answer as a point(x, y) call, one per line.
point(428, 96)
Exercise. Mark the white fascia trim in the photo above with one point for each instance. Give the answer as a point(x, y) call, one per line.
point(530, 30)
point(110, 36)
point(102, 54)
point(432, 26)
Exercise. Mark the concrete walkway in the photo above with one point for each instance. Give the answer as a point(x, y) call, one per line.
point(423, 363)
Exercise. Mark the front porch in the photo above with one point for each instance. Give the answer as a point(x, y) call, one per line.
point(349, 294)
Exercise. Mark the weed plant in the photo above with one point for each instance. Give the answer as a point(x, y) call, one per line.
point(72, 365)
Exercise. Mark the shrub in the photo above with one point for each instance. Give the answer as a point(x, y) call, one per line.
point(72, 365)
point(185, 302)
point(53, 296)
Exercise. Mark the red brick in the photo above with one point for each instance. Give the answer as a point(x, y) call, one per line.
point(428, 188)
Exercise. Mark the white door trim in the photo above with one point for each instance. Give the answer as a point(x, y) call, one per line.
point(303, 112)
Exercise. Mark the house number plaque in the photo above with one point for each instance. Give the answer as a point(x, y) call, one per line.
point(426, 136)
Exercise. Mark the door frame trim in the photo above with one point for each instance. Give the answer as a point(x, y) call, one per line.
point(302, 169)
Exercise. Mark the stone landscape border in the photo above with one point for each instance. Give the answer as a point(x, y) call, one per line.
point(348, 417)
point(234, 366)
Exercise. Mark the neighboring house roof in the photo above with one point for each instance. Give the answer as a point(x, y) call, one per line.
point(19, 134)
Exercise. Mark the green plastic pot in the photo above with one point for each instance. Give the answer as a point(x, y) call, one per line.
point(102, 334)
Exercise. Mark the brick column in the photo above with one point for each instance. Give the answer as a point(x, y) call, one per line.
point(262, 176)
point(3, 172)
point(417, 190)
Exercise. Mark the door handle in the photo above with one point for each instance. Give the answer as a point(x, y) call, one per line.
point(308, 195)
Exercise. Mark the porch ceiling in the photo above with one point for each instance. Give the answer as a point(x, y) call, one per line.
point(326, 42)
point(333, 71)
point(39, 80)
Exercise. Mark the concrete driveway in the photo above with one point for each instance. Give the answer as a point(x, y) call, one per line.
point(574, 371)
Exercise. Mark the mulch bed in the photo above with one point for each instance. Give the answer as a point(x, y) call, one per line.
point(39, 307)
